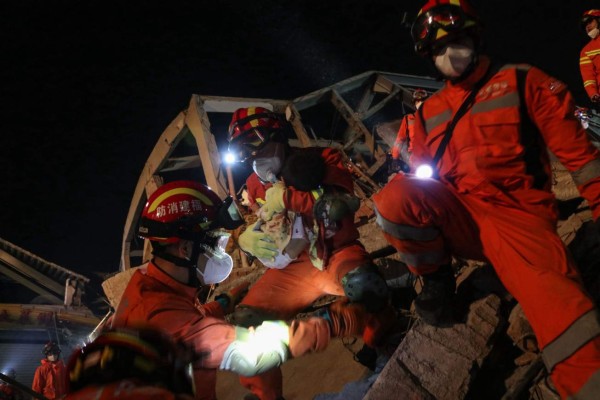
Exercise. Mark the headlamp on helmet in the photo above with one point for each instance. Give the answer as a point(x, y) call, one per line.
point(251, 129)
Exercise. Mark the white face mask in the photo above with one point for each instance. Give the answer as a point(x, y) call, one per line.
point(594, 33)
point(453, 60)
point(267, 167)
point(216, 265)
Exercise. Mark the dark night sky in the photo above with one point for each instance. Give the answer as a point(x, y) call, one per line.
point(87, 88)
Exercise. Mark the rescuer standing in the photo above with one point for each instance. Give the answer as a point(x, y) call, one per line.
point(485, 137)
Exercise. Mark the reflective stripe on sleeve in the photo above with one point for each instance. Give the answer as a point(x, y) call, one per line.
point(578, 334)
point(586, 173)
point(433, 122)
point(427, 258)
point(590, 390)
point(508, 100)
point(405, 232)
point(588, 83)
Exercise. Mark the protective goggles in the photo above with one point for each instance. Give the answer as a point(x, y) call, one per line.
point(425, 29)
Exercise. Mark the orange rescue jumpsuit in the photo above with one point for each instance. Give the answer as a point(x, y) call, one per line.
point(404, 137)
point(154, 299)
point(493, 202)
point(49, 379)
point(283, 293)
point(589, 65)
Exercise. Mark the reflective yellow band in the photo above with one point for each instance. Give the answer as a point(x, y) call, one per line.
point(507, 100)
point(590, 390)
point(428, 258)
point(583, 62)
point(435, 121)
point(588, 83)
point(405, 232)
point(576, 336)
point(317, 193)
point(586, 173)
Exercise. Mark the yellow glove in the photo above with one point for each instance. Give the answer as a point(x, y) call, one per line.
point(273, 201)
point(258, 243)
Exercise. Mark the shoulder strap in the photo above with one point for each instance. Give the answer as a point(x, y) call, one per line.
point(462, 110)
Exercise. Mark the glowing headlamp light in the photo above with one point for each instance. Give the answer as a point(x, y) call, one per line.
point(424, 171)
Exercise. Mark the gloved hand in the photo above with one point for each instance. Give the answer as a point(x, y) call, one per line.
point(232, 298)
point(258, 243)
point(273, 201)
point(596, 98)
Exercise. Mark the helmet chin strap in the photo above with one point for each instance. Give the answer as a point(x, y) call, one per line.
point(183, 262)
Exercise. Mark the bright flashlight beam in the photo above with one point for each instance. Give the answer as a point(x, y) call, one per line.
point(424, 171)
point(229, 158)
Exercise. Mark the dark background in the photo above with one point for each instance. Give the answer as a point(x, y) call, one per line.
point(88, 87)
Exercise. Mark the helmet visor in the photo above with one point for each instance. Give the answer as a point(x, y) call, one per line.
point(426, 28)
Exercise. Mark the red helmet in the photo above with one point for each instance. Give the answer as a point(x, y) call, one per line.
point(419, 95)
point(440, 21)
point(186, 210)
point(251, 128)
point(145, 355)
point(588, 16)
point(51, 348)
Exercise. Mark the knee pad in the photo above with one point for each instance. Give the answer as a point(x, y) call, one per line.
point(365, 285)
point(246, 316)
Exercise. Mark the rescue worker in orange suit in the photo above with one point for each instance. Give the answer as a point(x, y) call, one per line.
point(403, 144)
point(315, 185)
point(131, 364)
point(185, 223)
point(489, 197)
point(49, 378)
point(589, 59)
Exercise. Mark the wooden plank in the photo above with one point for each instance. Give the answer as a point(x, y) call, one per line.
point(352, 119)
point(322, 95)
point(167, 141)
point(293, 117)
point(198, 123)
point(179, 163)
point(375, 109)
point(413, 81)
point(154, 183)
point(29, 284)
point(221, 104)
point(363, 105)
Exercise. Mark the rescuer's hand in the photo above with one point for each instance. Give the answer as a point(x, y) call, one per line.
point(258, 243)
point(232, 298)
point(596, 98)
point(273, 201)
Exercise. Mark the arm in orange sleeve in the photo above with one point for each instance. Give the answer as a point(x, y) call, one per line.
point(550, 106)
point(588, 73)
point(214, 309)
point(336, 174)
point(401, 138)
point(208, 335)
point(39, 381)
